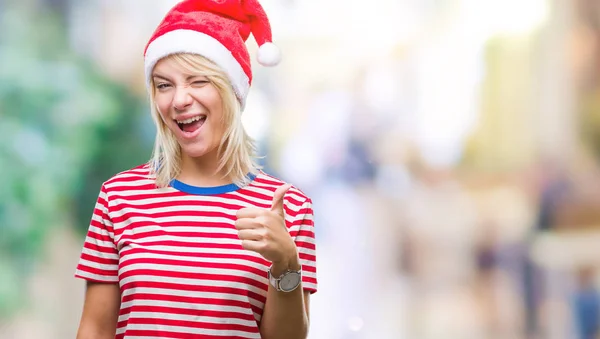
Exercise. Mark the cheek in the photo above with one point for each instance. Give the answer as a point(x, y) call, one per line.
point(212, 98)
point(162, 105)
point(218, 125)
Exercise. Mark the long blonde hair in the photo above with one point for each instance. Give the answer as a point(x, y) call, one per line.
point(237, 150)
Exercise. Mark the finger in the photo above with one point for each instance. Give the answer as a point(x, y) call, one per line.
point(249, 212)
point(250, 234)
point(254, 246)
point(247, 224)
point(277, 205)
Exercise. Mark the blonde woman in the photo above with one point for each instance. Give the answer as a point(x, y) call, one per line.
point(200, 242)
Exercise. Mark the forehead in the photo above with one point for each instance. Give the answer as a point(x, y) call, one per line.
point(173, 68)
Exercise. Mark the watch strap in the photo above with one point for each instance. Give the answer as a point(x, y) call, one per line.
point(274, 281)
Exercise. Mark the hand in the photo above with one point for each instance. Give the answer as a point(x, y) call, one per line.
point(264, 231)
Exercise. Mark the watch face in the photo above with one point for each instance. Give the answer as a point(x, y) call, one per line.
point(289, 282)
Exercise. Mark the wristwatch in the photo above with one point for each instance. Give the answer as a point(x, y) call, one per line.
point(287, 281)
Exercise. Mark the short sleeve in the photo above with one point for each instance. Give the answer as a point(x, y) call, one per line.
point(99, 260)
point(302, 230)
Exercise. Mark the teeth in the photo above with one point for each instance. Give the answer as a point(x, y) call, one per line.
point(190, 120)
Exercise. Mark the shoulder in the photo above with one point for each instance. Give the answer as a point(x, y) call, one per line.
point(294, 195)
point(134, 178)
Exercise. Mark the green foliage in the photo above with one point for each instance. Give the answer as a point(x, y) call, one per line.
point(64, 128)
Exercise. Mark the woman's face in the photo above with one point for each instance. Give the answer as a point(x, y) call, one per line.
point(190, 106)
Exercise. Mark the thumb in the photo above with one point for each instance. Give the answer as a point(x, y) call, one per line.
point(277, 205)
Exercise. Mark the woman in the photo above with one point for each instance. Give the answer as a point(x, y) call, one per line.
point(199, 242)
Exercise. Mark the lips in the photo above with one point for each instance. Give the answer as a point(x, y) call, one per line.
point(192, 124)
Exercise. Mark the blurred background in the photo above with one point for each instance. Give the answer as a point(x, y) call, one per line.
point(451, 148)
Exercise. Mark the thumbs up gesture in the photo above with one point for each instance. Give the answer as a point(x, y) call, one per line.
point(264, 231)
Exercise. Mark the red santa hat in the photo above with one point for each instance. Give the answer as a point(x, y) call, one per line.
point(217, 30)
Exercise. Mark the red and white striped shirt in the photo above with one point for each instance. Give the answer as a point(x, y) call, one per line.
point(178, 260)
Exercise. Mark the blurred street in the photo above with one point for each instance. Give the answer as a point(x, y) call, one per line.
point(451, 149)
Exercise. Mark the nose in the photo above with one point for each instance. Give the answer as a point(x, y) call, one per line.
point(182, 98)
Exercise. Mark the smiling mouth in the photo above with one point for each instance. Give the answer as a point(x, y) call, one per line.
point(192, 124)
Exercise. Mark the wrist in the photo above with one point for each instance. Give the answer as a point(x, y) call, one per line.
point(292, 262)
point(285, 276)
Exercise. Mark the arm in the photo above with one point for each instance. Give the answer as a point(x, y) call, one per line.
point(285, 315)
point(100, 311)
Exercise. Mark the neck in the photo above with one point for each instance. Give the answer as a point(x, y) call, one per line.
point(202, 171)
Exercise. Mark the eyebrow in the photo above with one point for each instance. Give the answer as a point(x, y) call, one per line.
point(159, 76)
point(186, 79)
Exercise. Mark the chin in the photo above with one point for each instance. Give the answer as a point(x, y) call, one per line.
point(196, 151)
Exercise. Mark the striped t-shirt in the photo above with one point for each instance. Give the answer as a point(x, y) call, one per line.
point(177, 257)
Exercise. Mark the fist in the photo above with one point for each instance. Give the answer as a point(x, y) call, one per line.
point(264, 231)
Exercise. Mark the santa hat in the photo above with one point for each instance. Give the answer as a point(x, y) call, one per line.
point(217, 30)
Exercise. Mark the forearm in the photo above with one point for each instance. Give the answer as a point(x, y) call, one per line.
point(285, 315)
point(91, 332)
point(89, 329)
point(100, 311)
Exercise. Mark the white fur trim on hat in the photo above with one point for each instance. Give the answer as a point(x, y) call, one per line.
point(188, 41)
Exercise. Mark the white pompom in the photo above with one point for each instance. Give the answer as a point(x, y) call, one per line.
point(269, 54)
